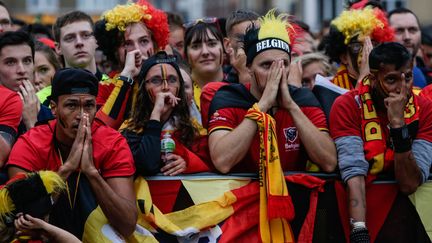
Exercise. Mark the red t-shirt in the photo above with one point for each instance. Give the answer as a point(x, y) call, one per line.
point(291, 151)
point(35, 151)
point(207, 94)
point(345, 118)
point(10, 109)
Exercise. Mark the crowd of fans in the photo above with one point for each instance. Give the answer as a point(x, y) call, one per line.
point(91, 101)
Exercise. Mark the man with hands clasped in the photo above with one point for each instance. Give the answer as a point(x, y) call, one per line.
point(382, 129)
point(300, 124)
point(93, 159)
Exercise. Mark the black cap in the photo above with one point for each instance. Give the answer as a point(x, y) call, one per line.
point(73, 81)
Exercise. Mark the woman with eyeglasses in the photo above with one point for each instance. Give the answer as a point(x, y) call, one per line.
point(204, 52)
point(162, 108)
point(127, 34)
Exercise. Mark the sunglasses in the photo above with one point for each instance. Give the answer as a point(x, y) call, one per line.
point(208, 20)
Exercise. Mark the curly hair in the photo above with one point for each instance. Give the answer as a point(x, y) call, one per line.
point(333, 44)
point(109, 30)
point(144, 106)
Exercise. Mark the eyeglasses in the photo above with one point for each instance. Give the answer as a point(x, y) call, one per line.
point(208, 20)
point(355, 47)
point(158, 81)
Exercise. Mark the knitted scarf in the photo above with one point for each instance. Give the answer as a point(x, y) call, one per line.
point(276, 207)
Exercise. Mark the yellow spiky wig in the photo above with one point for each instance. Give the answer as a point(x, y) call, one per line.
point(362, 23)
point(273, 33)
point(29, 193)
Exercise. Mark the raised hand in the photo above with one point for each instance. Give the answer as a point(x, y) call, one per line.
point(176, 165)
point(395, 104)
point(87, 165)
point(31, 105)
point(364, 58)
point(268, 98)
point(164, 101)
point(285, 100)
point(133, 63)
point(295, 74)
point(73, 161)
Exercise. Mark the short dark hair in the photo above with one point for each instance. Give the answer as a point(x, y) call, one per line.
point(239, 16)
point(175, 21)
point(402, 11)
point(392, 53)
point(70, 18)
point(14, 38)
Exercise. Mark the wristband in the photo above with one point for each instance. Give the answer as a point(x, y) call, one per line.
point(128, 80)
point(401, 139)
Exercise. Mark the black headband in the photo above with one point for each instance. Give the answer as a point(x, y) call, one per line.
point(264, 45)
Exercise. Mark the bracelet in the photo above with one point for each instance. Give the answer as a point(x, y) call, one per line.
point(128, 80)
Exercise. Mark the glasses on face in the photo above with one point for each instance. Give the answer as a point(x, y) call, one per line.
point(355, 47)
point(158, 81)
point(209, 20)
point(70, 38)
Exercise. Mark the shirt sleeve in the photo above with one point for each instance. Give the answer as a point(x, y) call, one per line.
point(112, 99)
point(146, 148)
point(420, 150)
point(224, 119)
point(10, 114)
point(351, 157)
point(316, 116)
point(24, 155)
point(344, 117)
point(119, 162)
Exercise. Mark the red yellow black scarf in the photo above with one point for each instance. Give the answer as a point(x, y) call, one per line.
point(342, 78)
point(375, 148)
point(276, 207)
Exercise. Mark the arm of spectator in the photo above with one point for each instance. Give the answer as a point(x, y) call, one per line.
point(5, 144)
point(227, 148)
point(10, 117)
point(319, 145)
point(119, 95)
point(407, 172)
point(238, 61)
point(146, 148)
point(408, 167)
point(364, 65)
point(26, 223)
point(353, 168)
point(31, 105)
point(116, 195)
